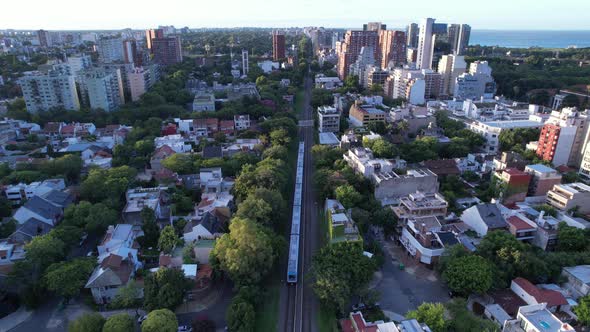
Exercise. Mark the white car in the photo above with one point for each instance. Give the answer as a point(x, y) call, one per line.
point(141, 319)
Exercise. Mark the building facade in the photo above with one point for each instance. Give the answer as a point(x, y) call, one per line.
point(51, 87)
point(167, 51)
point(328, 119)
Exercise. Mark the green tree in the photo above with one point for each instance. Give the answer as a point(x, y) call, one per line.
point(151, 231)
point(570, 238)
point(162, 320)
point(168, 239)
point(7, 228)
point(505, 251)
point(246, 253)
point(43, 251)
point(164, 289)
point(128, 296)
point(383, 149)
point(469, 274)
point(348, 196)
point(119, 323)
point(256, 209)
point(241, 316)
point(67, 278)
point(279, 137)
point(432, 314)
point(582, 310)
point(88, 322)
point(340, 271)
point(180, 163)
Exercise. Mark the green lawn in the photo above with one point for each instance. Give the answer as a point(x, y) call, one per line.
point(267, 315)
point(327, 321)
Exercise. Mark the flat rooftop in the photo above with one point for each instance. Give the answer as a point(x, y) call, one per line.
point(541, 168)
point(544, 321)
point(513, 124)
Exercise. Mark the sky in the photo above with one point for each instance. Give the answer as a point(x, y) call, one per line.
point(119, 14)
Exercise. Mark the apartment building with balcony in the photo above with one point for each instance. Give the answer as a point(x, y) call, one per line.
point(542, 180)
point(568, 196)
point(362, 161)
point(328, 119)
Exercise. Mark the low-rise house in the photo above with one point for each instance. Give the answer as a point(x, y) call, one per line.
point(532, 294)
point(211, 225)
point(109, 276)
point(328, 83)
point(119, 240)
point(214, 201)
point(242, 122)
point(509, 160)
point(204, 102)
point(240, 145)
point(48, 208)
point(227, 127)
point(425, 239)
point(20, 192)
point(578, 280)
point(536, 318)
point(26, 231)
point(357, 323)
point(484, 218)
point(569, 196)
point(442, 167)
point(140, 198)
point(342, 227)
point(175, 142)
point(169, 129)
point(160, 155)
point(543, 178)
point(212, 181)
point(522, 228)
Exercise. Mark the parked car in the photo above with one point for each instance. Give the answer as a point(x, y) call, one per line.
point(358, 306)
point(83, 239)
point(185, 328)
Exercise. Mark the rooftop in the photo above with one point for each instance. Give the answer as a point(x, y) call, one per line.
point(513, 124)
point(540, 168)
point(580, 272)
point(544, 320)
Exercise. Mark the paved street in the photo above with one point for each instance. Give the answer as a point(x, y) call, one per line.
point(404, 290)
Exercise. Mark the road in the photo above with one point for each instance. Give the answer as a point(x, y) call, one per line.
point(299, 306)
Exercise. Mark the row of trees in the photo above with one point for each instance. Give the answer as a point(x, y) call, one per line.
point(248, 252)
point(162, 320)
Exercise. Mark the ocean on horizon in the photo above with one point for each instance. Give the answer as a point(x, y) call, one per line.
point(530, 38)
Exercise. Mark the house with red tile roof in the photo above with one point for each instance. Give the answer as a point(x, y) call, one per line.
point(226, 127)
point(522, 227)
point(531, 294)
point(159, 155)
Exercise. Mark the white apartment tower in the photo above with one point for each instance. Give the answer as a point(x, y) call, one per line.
point(450, 67)
point(111, 50)
point(102, 88)
point(425, 44)
point(245, 62)
point(52, 86)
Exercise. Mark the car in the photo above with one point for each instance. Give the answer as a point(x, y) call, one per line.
point(141, 319)
point(185, 328)
point(90, 253)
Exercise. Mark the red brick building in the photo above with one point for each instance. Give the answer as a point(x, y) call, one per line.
point(278, 46)
point(516, 185)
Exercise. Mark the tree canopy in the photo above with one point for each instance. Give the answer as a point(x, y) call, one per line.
point(162, 320)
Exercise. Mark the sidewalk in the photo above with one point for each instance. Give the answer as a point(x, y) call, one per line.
point(411, 266)
point(14, 319)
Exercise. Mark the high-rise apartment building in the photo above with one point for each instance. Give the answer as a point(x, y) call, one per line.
point(102, 89)
point(349, 50)
point(245, 62)
point(412, 35)
point(425, 44)
point(141, 79)
point(365, 59)
point(44, 38)
point(463, 39)
point(152, 34)
point(53, 86)
point(110, 50)
point(393, 47)
point(79, 62)
point(278, 46)
point(563, 137)
point(476, 84)
point(374, 26)
point(131, 54)
point(450, 67)
point(167, 51)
